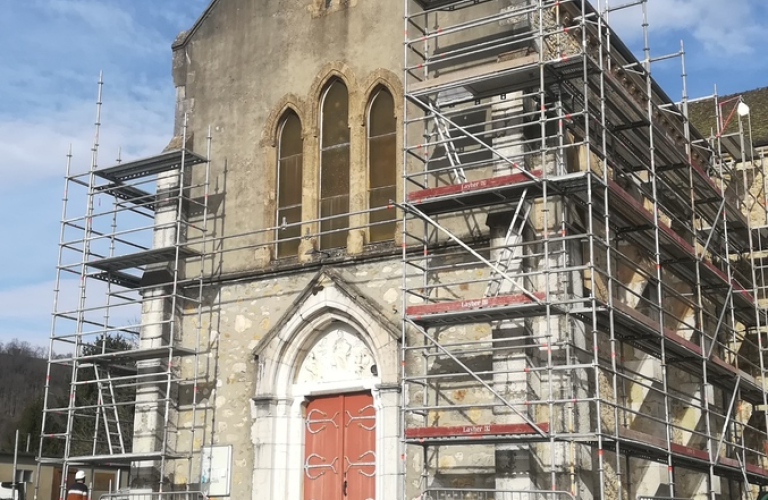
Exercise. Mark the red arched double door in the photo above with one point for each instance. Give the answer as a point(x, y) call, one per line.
point(340, 448)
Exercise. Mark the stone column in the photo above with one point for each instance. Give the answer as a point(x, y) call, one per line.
point(688, 415)
point(386, 399)
point(513, 461)
point(263, 411)
point(151, 416)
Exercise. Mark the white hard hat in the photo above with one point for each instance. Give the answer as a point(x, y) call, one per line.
point(80, 475)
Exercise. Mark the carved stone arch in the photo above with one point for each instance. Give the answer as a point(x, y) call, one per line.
point(278, 425)
point(295, 350)
point(268, 143)
point(272, 124)
point(326, 74)
point(376, 80)
point(281, 360)
point(388, 80)
point(338, 354)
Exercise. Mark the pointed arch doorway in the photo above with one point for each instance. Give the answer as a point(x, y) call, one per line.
point(331, 345)
point(340, 426)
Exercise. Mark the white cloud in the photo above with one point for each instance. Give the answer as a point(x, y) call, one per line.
point(49, 95)
point(36, 144)
point(109, 22)
point(723, 27)
point(50, 89)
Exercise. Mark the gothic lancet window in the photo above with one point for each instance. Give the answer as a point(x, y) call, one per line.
point(334, 166)
point(289, 181)
point(382, 151)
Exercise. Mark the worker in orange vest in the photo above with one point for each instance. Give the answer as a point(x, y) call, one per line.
point(78, 491)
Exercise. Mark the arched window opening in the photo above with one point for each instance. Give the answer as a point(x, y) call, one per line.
point(289, 181)
point(382, 161)
point(334, 166)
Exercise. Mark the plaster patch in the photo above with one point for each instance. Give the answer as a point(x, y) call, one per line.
point(239, 367)
point(390, 296)
point(220, 402)
point(242, 323)
point(413, 299)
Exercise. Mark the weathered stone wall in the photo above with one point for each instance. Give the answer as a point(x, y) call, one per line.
point(246, 64)
point(239, 315)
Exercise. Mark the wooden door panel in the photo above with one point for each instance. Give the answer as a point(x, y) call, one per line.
point(56, 482)
point(360, 446)
point(340, 448)
point(323, 437)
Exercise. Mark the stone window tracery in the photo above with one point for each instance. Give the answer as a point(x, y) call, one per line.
point(289, 184)
point(334, 166)
point(335, 175)
point(382, 161)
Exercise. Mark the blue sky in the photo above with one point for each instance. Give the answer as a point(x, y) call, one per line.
point(52, 52)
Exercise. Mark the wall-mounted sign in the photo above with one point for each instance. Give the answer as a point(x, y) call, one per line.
point(216, 470)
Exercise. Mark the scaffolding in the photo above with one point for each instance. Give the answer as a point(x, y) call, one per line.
point(130, 264)
point(584, 276)
point(584, 304)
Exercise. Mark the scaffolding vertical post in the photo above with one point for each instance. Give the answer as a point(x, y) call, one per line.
point(116, 249)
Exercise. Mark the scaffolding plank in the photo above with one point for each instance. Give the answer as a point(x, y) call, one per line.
point(140, 259)
point(125, 280)
point(469, 305)
point(495, 76)
point(474, 432)
point(475, 310)
point(755, 470)
point(131, 194)
point(638, 328)
point(449, 4)
point(678, 254)
point(726, 375)
point(107, 460)
point(718, 277)
point(471, 194)
point(163, 162)
point(136, 355)
point(675, 246)
point(686, 456)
